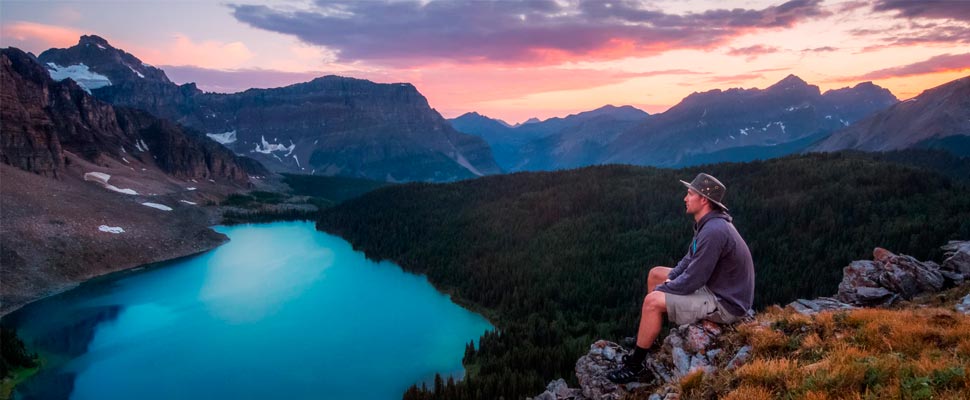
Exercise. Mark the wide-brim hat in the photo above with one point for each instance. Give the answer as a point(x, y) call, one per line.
point(709, 187)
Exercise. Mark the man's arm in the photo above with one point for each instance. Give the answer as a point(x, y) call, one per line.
point(680, 267)
point(696, 273)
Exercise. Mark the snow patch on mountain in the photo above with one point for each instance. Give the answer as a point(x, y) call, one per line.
point(267, 148)
point(157, 206)
point(223, 138)
point(80, 73)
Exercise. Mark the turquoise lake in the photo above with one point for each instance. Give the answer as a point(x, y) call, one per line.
point(280, 311)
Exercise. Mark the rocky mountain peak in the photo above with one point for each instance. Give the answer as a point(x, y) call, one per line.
point(794, 84)
point(789, 81)
point(94, 40)
point(44, 119)
point(471, 114)
point(94, 63)
point(938, 113)
point(331, 125)
point(626, 112)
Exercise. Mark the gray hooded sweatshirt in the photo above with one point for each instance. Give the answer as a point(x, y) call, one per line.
point(717, 258)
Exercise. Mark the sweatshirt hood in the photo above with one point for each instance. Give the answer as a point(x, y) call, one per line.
point(709, 216)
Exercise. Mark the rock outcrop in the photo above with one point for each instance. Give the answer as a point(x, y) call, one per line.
point(890, 277)
point(29, 140)
point(697, 347)
point(685, 350)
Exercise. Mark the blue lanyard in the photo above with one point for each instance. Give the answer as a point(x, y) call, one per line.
point(695, 246)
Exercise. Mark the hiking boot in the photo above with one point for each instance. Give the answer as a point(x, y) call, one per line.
point(629, 372)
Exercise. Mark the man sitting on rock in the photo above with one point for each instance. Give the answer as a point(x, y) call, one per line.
point(714, 281)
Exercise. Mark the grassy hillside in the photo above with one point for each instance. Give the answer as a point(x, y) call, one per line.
point(558, 259)
point(919, 350)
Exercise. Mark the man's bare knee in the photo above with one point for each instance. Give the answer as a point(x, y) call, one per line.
point(655, 302)
point(659, 273)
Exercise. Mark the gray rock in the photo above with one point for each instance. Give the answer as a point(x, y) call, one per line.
point(592, 368)
point(809, 307)
point(558, 390)
point(681, 361)
point(956, 257)
point(713, 353)
point(547, 395)
point(699, 361)
point(874, 296)
point(743, 354)
point(964, 305)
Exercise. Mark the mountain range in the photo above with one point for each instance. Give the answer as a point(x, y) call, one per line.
point(938, 118)
point(730, 125)
point(352, 127)
point(556, 143)
point(330, 126)
point(789, 111)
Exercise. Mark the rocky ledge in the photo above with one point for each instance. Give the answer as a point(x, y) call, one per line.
point(701, 348)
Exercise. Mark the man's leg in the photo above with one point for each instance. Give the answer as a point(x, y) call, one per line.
point(656, 276)
point(651, 318)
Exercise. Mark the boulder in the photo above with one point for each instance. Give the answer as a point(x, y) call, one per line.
point(686, 348)
point(887, 278)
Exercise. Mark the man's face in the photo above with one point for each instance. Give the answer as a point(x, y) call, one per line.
point(694, 202)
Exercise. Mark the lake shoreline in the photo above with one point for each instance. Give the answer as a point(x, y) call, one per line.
point(134, 274)
point(110, 272)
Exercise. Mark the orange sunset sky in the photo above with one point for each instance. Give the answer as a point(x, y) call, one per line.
point(519, 59)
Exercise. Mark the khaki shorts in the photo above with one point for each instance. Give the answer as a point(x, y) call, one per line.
point(702, 304)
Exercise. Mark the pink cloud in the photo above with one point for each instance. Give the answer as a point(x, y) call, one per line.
point(936, 64)
point(207, 53)
point(752, 52)
point(38, 37)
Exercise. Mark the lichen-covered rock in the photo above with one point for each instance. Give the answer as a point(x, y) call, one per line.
point(887, 278)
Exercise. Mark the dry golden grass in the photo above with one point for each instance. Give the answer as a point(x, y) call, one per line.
point(749, 393)
point(918, 352)
point(692, 384)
